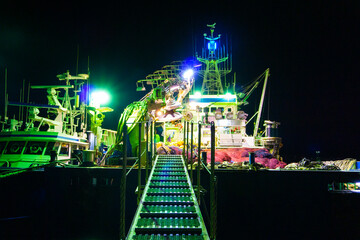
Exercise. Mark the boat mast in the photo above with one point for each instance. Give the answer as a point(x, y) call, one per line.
point(5, 89)
point(217, 64)
point(261, 103)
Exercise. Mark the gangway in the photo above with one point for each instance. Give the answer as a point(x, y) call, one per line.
point(168, 208)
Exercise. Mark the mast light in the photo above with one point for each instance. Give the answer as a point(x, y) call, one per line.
point(188, 74)
point(212, 45)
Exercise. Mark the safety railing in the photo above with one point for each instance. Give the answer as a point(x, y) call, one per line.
point(146, 127)
point(202, 162)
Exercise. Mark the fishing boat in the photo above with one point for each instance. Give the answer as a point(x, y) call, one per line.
point(218, 101)
point(175, 97)
point(72, 125)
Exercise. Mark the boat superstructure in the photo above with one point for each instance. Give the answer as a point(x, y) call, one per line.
point(174, 101)
point(219, 102)
point(70, 125)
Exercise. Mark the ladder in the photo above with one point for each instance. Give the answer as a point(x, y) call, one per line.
point(168, 208)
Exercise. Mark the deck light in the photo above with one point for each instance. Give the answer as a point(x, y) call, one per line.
point(159, 113)
point(228, 95)
point(197, 94)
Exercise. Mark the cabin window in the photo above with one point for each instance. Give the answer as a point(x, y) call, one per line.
point(213, 109)
point(64, 150)
point(206, 110)
point(222, 109)
point(2, 146)
point(15, 147)
point(51, 146)
point(229, 109)
point(36, 148)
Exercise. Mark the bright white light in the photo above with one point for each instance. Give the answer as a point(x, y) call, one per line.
point(197, 94)
point(159, 113)
point(99, 97)
point(228, 95)
point(188, 74)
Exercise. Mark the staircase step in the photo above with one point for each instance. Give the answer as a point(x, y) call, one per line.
point(170, 200)
point(169, 178)
point(168, 237)
point(169, 191)
point(157, 173)
point(168, 172)
point(167, 215)
point(169, 164)
point(173, 169)
point(169, 184)
point(164, 208)
point(170, 161)
point(168, 225)
point(168, 211)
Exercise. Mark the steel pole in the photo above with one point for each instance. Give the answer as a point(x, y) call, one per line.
point(191, 150)
point(199, 163)
point(147, 151)
point(187, 143)
point(139, 166)
point(261, 104)
point(184, 139)
point(123, 185)
point(151, 143)
point(212, 186)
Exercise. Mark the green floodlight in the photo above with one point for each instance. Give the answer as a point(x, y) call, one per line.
point(140, 86)
point(140, 89)
point(99, 97)
point(197, 94)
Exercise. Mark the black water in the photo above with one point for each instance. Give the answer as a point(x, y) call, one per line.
point(84, 204)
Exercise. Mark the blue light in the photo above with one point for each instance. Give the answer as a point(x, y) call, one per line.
point(212, 45)
point(188, 74)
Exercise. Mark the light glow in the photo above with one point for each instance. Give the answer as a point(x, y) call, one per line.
point(188, 74)
point(159, 113)
point(99, 97)
point(212, 45)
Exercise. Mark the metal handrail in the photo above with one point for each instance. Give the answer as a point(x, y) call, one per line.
point(132, 167)
point(211, 171)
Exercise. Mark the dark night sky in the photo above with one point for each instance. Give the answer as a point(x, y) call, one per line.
point(311, 48)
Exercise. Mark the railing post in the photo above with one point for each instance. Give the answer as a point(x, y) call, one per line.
point(251, 158)
point(199, 162)
point(139, 167)
point(184, 140)
point(191, 151)
point(204, 158)
point(154, 144)
point(151, 142)
point(213, 211)
point(187, 143)
point(123, 185)
point(147, 151)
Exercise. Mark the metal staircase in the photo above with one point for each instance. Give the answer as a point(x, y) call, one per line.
point(168, 208)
